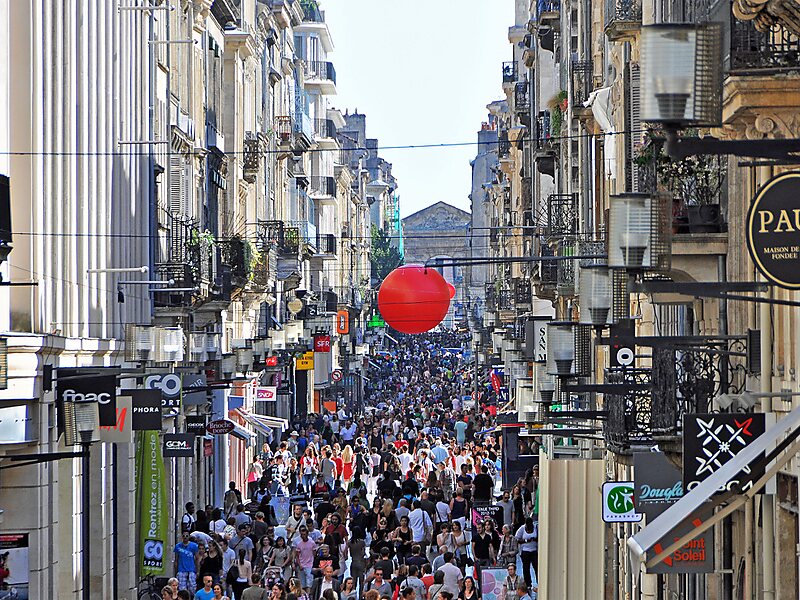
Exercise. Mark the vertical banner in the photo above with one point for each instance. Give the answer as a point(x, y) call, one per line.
point(14, 563)
point(152, 504)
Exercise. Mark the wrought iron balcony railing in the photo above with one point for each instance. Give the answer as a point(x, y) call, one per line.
point(523, 294)
point(542, 131)
point(582, 82)
point(234, 260)
point(562, 215)
point(320, 69)
point(284, 128)
point(622, 17)
point(753, 50)
point(503, 144)
point(311, 12)
point(326, 243)
point(254, 147)
point(324, 185)
point(325, 128)
point(545, 8)
point(284, 238)
point(509, 72)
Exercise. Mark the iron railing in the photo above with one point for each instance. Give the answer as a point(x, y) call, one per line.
point(284, 128)
point(542, 130)
point(509, 72)
point(753, 50)
point(325, 128)
point(284, 238)
point(234, 260)
point(253, 153)
point(523, 293)
point(320, 69)
point(618, 12)
point(326, 243)
point(311, 12)
point(545, 7)
point(582, 83)
point(562, 215)
point(324, 185)
point(503, 143)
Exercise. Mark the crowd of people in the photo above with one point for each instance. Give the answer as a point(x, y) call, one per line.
point(381, 505)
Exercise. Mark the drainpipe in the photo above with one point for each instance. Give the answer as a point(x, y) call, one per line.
point(767, 500)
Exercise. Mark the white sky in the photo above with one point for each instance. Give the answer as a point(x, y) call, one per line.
point(423, 73)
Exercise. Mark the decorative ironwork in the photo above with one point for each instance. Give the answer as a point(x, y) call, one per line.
point(325, 128)
point(491, 297)
point(326, 243)
point(582, 82)
point(318, 69)
point(235, 256)
point(522, 292)
point(284, 128)
point(629, 419)
point(622, 16)
point(566, 268)
point(253, 155)
point(324, 185)
point(752, 50)
point(276, 233)
point(503, 143)
point(543, 135)
point(562, 214)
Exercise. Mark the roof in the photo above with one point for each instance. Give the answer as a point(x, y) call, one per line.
point(442, 211)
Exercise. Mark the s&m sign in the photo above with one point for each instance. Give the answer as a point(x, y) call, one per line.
point(773, 230)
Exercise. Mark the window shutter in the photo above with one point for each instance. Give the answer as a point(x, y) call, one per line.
point(176, 183)
point(635, 125)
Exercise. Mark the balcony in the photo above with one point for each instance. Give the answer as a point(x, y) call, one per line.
point(325, 128)
point(503, 144)
point(234, 257)
point(523, 296)
point(311, 12)
point(323, 188)
point(623, 18)
point(264, 268)
point(522, 102)
point(279, 235)
point(252, 159)
point(303, 130)
point(544, 151)
point(183, 255)
point(562, 215)
point(582, 85)
point(307, 236)
point(548, 15)
point(751, 50)
point(284, 131)
point(321, 75)
point(326, 245)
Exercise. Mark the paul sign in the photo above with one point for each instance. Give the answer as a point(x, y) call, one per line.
point(773, 230)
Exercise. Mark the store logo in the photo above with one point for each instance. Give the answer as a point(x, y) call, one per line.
point(153, 551)
point(177, 445)
point(74, 396)
point(620, 499)
point(666, 494)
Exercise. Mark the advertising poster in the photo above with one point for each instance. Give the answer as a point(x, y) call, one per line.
point(479, 513)
point(153, 507)
point(492, 583)
point(14, 578)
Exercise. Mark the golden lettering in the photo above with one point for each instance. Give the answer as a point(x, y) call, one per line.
point(766, 218)
point(783, 220)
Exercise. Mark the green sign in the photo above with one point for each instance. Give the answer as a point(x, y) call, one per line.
point(154, 526)
point(376, 321)
point(618, 504)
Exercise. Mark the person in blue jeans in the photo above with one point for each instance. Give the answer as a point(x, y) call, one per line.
point(186, 563)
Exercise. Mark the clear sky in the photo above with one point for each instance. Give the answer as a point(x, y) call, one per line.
point(423, 73)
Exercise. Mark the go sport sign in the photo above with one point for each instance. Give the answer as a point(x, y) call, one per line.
point(773, 230)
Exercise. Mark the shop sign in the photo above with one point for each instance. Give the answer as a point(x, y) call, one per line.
point(305, 362)
point(618, 504)
point(194, 380)
point(14, 558)
point(170, 385)
point(658, 485)
point(710, 441)
point(272, 361)
point(481, 513)
point(146, 410)
point(178, 445)
point(220, 427)
point(196, 424)
point(152, 505)
point(78, 385)
point(322, 343)
point(342, 322)
point(266, 394)
point(121, 431)
point(773, 230)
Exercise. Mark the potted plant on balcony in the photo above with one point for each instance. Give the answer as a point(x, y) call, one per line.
point(558, 107)
point(696, 184)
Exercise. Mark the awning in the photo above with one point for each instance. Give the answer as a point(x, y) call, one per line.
point(244, 434)
point(663, 525)
point(263, 423)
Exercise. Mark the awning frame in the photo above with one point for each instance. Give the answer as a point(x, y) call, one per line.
point(676, 514)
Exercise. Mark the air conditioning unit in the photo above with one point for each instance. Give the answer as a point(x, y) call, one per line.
point(139, 343)
point(197, 347)
point(170, 347)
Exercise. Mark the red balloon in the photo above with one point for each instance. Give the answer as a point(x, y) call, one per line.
point(452, 289)
point(413, 299)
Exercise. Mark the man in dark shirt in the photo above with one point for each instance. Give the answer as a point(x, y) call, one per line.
point(484, 485)
point(481, 546)
point(385, 564)
point(416, 557)
point(323, 509)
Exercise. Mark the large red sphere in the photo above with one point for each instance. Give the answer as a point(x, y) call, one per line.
point(413, 299)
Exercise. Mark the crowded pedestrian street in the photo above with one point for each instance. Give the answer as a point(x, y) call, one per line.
point(398, 497)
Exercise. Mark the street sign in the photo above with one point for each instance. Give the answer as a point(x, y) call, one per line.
point(306, 362)
point(342, 322)
point(618, 506)
point(220, 427)
point(337, 375)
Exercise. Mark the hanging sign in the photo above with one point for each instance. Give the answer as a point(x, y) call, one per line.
point(710, 441)
point(618, 505)
point(773, 230)
point(152, 505)
point(196, 424)
point(342, 322)
point(271, 361)
point(266, 394)
point(146, 410)
point(220, 427)
point(170, 386)
point(121, 431)
point(322, 343)
point(178, 445)
point(194, 380)
point(77, 385)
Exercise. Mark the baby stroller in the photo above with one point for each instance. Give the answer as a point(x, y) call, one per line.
point(271, 576)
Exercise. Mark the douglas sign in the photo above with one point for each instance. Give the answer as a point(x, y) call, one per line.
point(773, 230)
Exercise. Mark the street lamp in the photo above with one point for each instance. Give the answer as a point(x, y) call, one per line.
point(560, 348)
point(629, 230)
point(595, 294)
